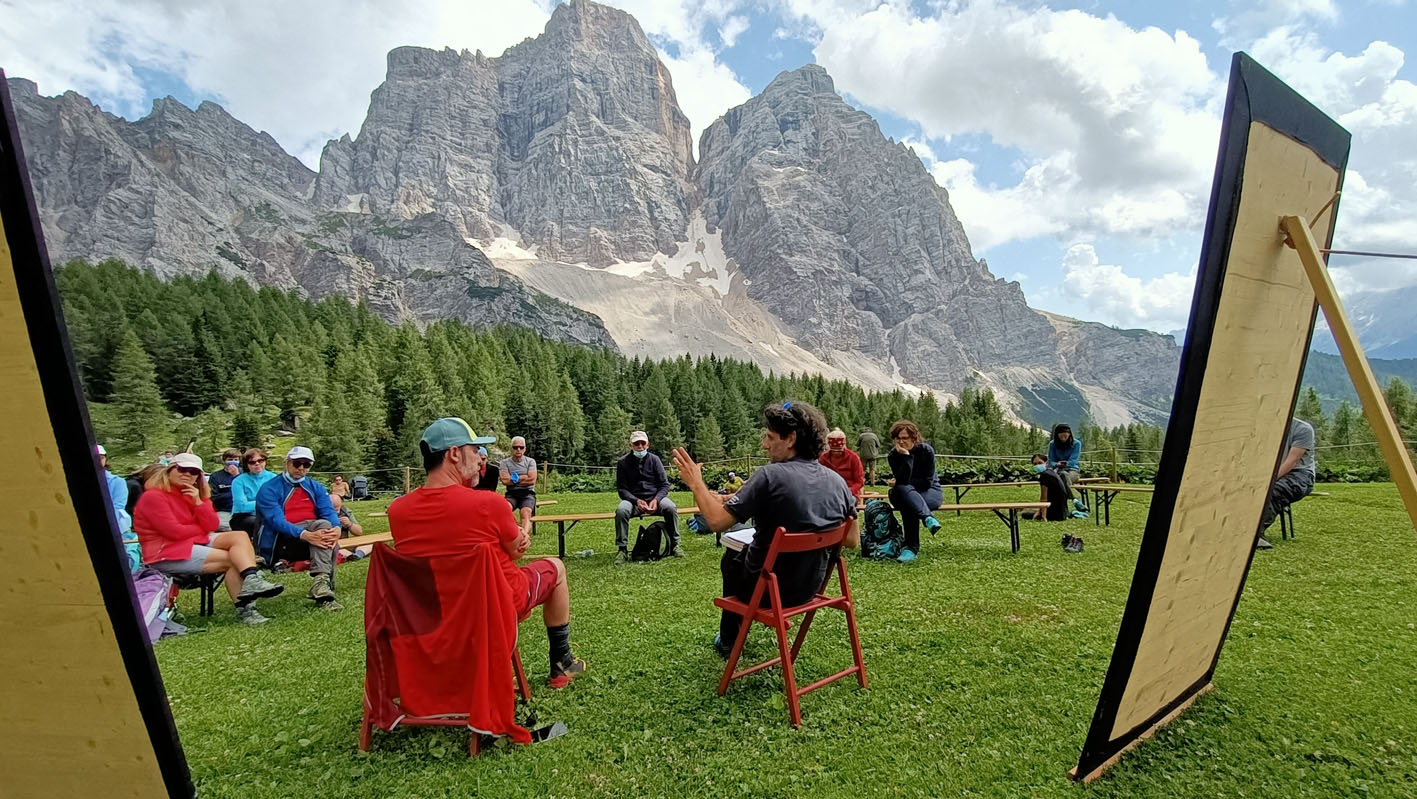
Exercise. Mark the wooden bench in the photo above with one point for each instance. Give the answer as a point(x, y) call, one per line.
point(1011, 520)
point(566, 521)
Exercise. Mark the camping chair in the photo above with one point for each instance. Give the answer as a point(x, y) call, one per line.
point(426, 602)
point(780, 618)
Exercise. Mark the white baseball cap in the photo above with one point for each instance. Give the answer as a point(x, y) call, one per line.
point(297, 453)
point(638, 435)
point(186, 459)
point(101, 450)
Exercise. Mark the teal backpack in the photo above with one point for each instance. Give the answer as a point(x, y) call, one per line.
point(881, 535)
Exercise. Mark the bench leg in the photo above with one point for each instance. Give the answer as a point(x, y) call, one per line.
point(561, 539)
point(1013, 529)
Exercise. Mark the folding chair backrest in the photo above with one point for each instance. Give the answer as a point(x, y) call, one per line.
point(785, 542)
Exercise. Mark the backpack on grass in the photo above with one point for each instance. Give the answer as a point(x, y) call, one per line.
point(881, 534)
point(651, 542)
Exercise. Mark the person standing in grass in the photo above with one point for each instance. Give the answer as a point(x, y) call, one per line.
point(518, 473)
point(793, 491)
point(843, 461)
point(868, 447)
point(1294, 479)
point(1064, 450)
point(244, 489)
point(176, 526)
point(448, 516)
point(916, 491)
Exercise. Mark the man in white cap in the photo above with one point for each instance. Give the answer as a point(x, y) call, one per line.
point(299, 522)
point(644, 491)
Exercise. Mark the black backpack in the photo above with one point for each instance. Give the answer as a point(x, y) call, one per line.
point(881, 534)
point(651, 542)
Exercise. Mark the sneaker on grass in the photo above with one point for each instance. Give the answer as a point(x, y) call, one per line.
point(906, 556)
point(723, 649)
point(249, 615)
point(257, 586)
point(932, 524)
point(1078, 505)
point(622, 557)
point(1263, 543)
point(562, 675)
point(676, 552)
point(321, 589)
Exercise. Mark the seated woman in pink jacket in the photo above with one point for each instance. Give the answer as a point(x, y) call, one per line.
point(844, 462)
point(175, 523)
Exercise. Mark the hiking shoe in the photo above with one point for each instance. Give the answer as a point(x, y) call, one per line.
point(258, 587)
point(329, 606)
point(562, 675)
point(622, 557)
point(321, 590)
point(676, 552)
point(932, 524)
point(249, 615)
point(906, 556)
point(1263, 543)
point(723, 650)
point(1079, 505)
point(281, 567)
point(1072, 543)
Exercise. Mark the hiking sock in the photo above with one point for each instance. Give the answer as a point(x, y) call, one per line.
point(560, 638)
point(248, 572)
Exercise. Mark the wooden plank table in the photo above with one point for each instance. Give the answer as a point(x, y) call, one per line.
point(1105, 493)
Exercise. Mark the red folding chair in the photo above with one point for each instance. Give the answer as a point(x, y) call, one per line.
point(779, 618)
point(420, 597)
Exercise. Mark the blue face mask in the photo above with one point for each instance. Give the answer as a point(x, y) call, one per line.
point(233, 464)
point(296, 480)
point(640, 453)
point(1040, 468)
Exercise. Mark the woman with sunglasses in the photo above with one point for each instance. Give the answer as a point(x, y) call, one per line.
point(175, 521)
point(916, 492)
point(243, 491)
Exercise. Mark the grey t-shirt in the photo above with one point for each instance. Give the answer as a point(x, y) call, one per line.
point(513, 466)
point(1301, 434)
point(802, 496)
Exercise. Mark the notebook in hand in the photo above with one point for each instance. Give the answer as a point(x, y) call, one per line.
point(737, 539)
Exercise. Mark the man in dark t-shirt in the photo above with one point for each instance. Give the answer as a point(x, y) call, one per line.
point(794, 492)
point(1053, 491)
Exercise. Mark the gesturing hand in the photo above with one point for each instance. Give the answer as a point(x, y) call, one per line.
point(691, 473)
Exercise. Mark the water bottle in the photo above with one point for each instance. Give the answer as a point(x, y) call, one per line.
point(585, 553)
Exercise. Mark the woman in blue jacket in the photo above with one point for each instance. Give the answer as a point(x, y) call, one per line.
point(244, 489)
point(1063, 453)
point(916, 492)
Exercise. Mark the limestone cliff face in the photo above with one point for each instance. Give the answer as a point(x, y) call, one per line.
point(803, 237)
point(185, 191)
point(574, 140)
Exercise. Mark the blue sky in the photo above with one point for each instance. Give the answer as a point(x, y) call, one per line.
point(1077, 142)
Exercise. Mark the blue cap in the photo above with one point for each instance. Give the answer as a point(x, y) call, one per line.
point(449, 432)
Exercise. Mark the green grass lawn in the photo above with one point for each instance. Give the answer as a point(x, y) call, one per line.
point(984, 670)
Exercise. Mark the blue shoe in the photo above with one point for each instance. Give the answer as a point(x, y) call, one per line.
point(932, 524)
point(1078, 504)
point(906, 556)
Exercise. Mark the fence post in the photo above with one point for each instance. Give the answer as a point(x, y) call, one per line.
point(406, 488)
point(1114, 463)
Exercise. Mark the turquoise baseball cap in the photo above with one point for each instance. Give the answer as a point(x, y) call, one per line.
point(449, 432)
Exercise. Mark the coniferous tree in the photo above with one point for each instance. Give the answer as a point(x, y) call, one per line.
point(136, 401)
point(609, 436)
point(1311, 410)
point(657, 415)
point(708, 441)
point(333, 434)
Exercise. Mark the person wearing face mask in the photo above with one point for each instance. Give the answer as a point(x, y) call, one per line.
point(220, 481)
point(844, 462)
point(298, 522)
point(644, 491)
point(176, 527)
point(1053, 491)
point(448, 516)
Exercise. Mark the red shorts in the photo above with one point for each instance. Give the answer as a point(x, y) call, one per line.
point(540, 583)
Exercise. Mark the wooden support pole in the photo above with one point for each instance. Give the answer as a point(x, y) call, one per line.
point(1399, 462)
point(406, 483)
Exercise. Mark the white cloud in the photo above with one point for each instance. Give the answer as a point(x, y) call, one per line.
point(303, 71)
point(1115, 126)
point(731, 29)
point(1114, 297)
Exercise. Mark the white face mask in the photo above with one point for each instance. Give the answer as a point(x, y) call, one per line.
point(640, 453)
point(1040, 468)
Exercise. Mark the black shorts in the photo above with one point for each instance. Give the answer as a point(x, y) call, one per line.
point(519, 501)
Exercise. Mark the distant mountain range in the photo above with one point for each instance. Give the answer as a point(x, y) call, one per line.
point(555, 187)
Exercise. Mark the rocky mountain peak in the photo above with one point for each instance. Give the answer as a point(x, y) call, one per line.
point(813, 78)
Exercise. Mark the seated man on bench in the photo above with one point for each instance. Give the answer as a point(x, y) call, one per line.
point(1295, 478)
point(644, 491)
point(793, 491)
point(448, 516)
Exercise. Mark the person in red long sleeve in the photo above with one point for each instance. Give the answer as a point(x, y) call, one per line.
point(175, 520)
point(844, 462)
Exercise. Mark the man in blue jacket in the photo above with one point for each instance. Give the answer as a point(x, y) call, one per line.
point(298, 521)
point(644, 491)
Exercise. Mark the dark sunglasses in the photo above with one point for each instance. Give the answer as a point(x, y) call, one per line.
point(255, 460)
point(516, 447)
point(188, 470)
point(302, 464)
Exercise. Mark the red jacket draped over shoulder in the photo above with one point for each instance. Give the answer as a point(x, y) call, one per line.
point(848, 465)
point(168, 524)
point(438, 636)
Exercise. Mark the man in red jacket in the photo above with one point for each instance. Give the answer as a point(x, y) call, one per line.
point(844, 462)
point(447, 516)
